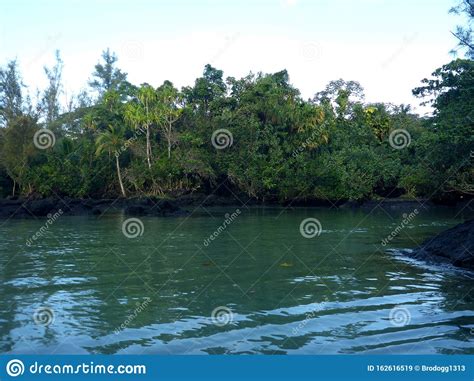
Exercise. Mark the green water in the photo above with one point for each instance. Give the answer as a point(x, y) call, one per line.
point(339, 292)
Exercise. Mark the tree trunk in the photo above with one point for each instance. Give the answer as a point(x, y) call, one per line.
point(14, 186)
point(170, 124)
point(148, 146)
point(119, 174)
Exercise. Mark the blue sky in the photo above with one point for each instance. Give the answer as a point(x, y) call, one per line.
point(386, 45)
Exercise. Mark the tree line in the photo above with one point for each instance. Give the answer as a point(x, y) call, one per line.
point(254, 135)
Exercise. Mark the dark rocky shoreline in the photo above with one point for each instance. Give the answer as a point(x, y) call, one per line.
point(454, 246)
point(154, 206)
point(21, 208)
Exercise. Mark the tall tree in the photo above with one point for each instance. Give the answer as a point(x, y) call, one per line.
point(169, 111)
point(107, 76)
point(17, 149)
point(142, 113)
point(50, 99)
point(11, 97)
point(112, 141)
point(341, 95)
point(464, 33)
point(207, 89)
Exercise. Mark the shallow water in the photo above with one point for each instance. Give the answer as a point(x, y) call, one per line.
point(83, 287)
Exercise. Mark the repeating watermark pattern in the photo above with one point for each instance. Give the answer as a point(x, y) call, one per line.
point(310, 228)
point(222, 316)
point(44, 316)
point(311, 51)
point(139, 308)
point(307, 318)
point(399, 316)
point(229, 218)
point(407, 40)
point(222, 138)
point(229, 41)
point(49, 43)
point(43, 229)
point(133, 50)
point(15, 368)
point(407, 218)
point(44, 139)
point(133, 228)
point(309, 141)
point(138, 132)
point(399, 138)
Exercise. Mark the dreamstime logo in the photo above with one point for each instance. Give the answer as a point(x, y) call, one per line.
point(407, 219)
point(399, 138)
point(221, 316)
point(308, 317)
point(132, 228)
point(44, 139)
point(15, 368)
point(407, 40)
point(133, 50)
point(43, 316)
point(139, 308)
point(229, 218)
point(42, 231)
point(399, 316)
point(222, 138)
point(311, 51)
point(229, 41)
point(310, 228)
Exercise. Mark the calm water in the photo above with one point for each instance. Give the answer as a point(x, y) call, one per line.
point(278, 291)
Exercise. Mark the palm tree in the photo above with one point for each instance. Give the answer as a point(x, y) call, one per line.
point(112, 141)
point(168, 111)
point(141, 114)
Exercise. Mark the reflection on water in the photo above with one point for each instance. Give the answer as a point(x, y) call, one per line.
point(334, 293)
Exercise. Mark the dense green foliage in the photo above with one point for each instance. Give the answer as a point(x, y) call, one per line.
point(254, 135)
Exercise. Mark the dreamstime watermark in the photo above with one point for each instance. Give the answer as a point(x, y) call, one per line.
point(133, 228)
point(138, 132)
point(399, 138)
point(43, 229)
point(43, 316)
point(399, 316)
point(407, 40)
point(310, 140)
point(307, 318)
point(44, 138)
point(310, 228)
point(15, 368)
point(222, 316)
point(139, 308)
point(407, 218)
point(311, 51)
point(229, 41)
point(222, 138)
point(49, 43)
point(133, 50)
point(229, 218)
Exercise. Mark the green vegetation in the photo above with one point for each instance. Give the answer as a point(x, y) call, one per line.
point(253, 135)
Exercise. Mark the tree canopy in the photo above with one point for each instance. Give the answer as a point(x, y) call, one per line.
point(254, 135)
